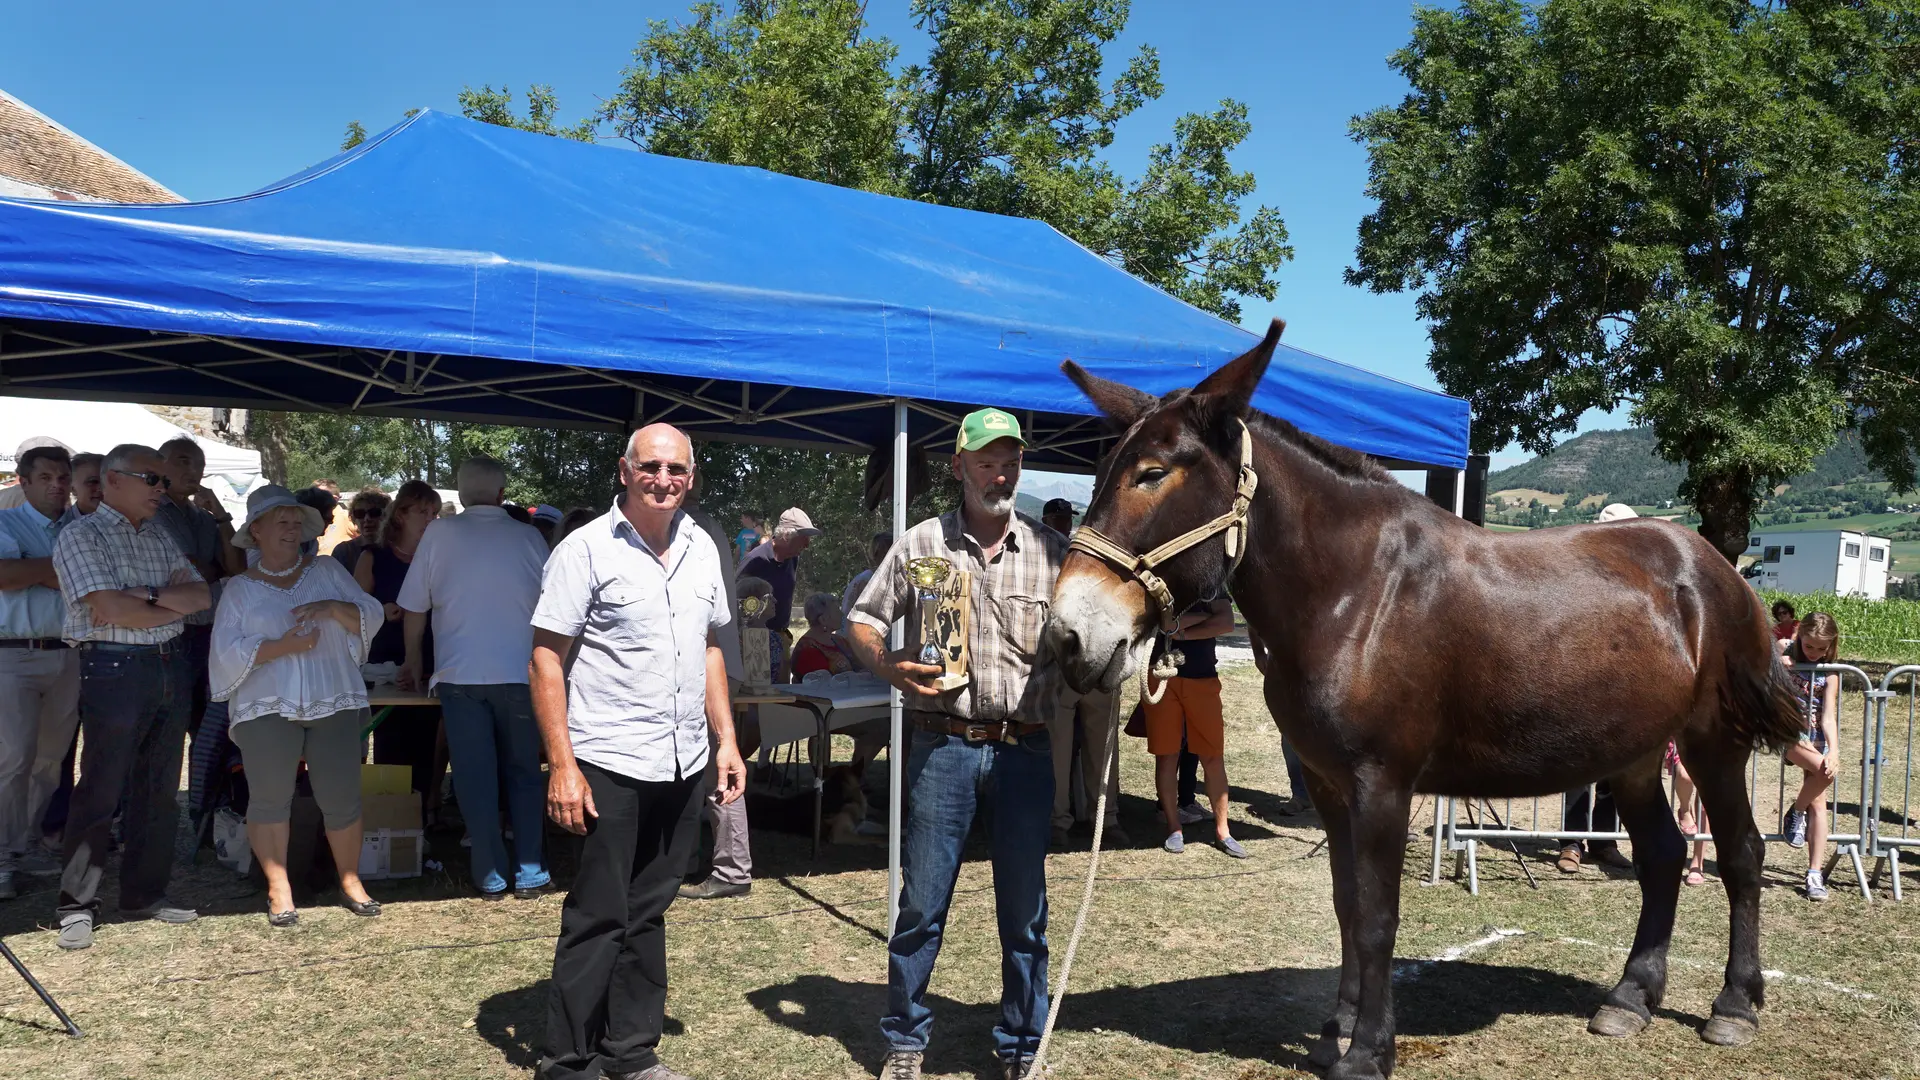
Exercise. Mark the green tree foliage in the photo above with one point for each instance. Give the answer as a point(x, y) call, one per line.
point(1706, 209)
point(496, 107)
point(1008, 113)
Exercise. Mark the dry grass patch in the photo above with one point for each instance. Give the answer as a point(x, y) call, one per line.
point(1194, 966)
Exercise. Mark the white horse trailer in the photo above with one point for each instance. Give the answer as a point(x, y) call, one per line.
point(1828, 561)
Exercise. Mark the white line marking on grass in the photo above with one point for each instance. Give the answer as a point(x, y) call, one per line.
point(1770, 973)
point(1415, 968)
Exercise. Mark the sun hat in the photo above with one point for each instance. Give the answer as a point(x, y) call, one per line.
point(1616, 512)
point(982, 426)
point(795, 522)
point(269, 497)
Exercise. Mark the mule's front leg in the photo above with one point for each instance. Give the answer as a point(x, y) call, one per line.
point(1346, 1003)
point(1378, 822)
point(1659, 854)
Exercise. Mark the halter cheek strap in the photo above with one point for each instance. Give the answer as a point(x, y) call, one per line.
point(1233, 524)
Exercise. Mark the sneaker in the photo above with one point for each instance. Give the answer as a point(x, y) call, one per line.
point(902, 1065)
point(8, 890)
point(76, 931)
point(162, 910)
point(37, 860)
point(1020, 1070)
point(1232, 847)
point(1816, 888)
point(1795, 827)
point(1175, 843)
point(1193, 812)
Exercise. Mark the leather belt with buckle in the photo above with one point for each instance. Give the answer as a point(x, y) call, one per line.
point(975, 730)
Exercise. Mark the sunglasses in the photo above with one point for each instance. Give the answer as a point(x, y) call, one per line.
point(151, 479)
point(654, 468)
point(360, 515)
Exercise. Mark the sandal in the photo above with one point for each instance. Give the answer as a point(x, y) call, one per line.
point(1695, 877)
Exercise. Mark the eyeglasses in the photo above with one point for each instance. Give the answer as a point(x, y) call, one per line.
point(654, 468)
point(151, 479)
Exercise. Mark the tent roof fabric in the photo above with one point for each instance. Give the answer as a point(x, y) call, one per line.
point(455, 269)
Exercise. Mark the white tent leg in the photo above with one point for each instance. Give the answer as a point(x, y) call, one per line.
point(896, 749)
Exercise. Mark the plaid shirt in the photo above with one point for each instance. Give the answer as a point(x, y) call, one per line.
point(103, 550)
point(1011, 597)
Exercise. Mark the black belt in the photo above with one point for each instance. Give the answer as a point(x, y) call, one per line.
point(974, 730)
point(165, 648)
point(32, 643)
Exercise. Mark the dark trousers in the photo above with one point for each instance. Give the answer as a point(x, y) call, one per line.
point(1604, 818)
point(199, 643)
point(1189, 782)
point(609, 996)
point(134, 707)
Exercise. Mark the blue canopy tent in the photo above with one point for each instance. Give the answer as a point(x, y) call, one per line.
point(454, 270)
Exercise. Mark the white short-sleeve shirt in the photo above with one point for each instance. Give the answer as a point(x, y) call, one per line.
point(479, 574)
point(637, 685)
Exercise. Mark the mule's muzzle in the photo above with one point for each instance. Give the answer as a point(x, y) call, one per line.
point(1089, 641)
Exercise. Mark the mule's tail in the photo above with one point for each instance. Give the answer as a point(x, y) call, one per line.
point(1762, 708)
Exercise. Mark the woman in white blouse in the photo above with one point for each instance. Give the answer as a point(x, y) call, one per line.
point(288, 641)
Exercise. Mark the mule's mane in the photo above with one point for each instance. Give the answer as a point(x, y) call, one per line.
point(1350, 464)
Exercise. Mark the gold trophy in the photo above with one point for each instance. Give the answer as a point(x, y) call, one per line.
point(929, 576)
point(944, 598)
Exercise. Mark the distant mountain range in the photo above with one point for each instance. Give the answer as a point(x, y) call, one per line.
point(1623, 466)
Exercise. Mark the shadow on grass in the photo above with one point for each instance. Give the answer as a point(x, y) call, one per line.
point(1272, 1015)
point(515, 1022)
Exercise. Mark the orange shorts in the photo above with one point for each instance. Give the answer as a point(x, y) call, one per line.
point(1191, 707)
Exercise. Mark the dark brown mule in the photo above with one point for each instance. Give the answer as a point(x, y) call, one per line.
point(1412, 652)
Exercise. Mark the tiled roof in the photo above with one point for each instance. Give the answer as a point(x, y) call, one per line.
point(39, 153)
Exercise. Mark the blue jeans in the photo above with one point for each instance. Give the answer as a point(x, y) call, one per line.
point(948, 779)
point(490, 736)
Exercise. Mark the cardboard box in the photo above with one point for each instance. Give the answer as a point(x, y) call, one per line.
point(386, 779)
point(392, 842)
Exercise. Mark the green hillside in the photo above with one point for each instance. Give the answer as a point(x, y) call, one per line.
point(1841, 491)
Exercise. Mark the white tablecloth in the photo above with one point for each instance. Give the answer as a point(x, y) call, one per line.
point(844, 705)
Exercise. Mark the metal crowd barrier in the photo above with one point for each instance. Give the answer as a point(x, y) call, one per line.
point(1889, 837)
point(1511, 821)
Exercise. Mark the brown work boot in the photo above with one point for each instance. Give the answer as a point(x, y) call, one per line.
point(1569, 859)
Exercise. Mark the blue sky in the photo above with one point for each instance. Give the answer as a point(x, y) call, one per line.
point(218, 98)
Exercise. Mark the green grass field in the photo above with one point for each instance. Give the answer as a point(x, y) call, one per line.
point(1870, 523)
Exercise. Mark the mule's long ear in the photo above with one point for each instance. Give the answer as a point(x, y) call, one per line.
point(1121, 404)
point(1227, 392)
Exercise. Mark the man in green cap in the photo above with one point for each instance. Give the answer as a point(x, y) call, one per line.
point(981, 744)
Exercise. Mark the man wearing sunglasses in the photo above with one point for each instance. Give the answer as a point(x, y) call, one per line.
point(638, 729)
point(127, 590)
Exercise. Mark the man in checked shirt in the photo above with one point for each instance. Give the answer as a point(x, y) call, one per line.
point(983, 743)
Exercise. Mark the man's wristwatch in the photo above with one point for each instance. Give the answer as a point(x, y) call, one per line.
point(153, 596)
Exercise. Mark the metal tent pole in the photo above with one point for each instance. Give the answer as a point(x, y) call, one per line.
point(896, 747)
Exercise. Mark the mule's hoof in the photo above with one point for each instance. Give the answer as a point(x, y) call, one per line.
point(1616, 1022)
point(1729, 1031)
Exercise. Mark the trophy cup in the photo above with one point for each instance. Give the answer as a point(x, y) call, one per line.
point(929, 576)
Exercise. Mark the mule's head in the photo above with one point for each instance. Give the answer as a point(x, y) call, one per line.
point(1175, 467)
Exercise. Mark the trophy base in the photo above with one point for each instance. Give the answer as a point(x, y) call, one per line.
point(948, 682)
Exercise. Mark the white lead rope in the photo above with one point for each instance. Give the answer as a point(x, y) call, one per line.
point(1125, 699)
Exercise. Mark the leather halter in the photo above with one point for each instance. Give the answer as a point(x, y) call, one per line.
point(1140, 567)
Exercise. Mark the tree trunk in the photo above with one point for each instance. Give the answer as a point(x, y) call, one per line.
point(1726, 502)
point(268, 434)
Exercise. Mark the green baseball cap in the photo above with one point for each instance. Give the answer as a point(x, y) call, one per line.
point(982, 426)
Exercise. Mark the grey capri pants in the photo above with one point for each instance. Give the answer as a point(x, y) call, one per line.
point(271, 748)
